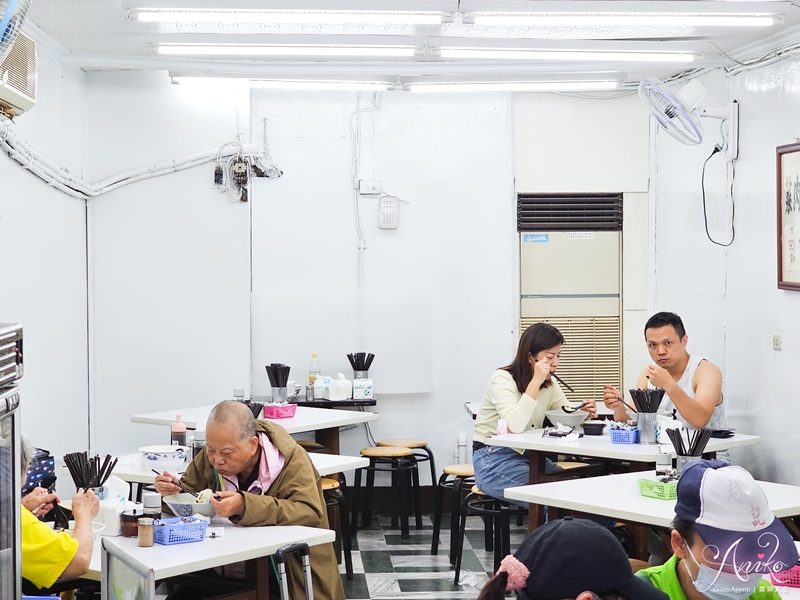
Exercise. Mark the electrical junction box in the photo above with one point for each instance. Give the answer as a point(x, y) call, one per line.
point(369, 187)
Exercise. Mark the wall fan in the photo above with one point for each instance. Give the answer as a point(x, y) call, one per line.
point(12, 15)
point(678, 113)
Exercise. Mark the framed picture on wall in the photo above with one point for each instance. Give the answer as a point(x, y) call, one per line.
point(789, 217)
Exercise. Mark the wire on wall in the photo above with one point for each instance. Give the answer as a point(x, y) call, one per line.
point(731, 179)
point(355, 149)
point(77, 187)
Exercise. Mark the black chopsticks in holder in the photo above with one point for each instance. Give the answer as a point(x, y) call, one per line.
point(278, 374)
point(360, 361)
point(696, 440)
point(647, 400)
point(89, 472)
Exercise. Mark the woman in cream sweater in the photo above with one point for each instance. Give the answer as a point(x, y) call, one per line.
point(515, 401)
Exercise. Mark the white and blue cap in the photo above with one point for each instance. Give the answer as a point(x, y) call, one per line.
point(731, 513)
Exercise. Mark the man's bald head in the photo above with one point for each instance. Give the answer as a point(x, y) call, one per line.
point(236, 415)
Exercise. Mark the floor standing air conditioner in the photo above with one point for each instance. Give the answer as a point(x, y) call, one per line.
point(570, 277)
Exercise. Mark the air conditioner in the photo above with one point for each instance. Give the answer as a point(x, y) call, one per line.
point(18, 78)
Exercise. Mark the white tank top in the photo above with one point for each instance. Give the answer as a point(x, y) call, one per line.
point(717, 420)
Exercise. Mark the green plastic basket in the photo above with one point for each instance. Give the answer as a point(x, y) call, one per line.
point(656, 489)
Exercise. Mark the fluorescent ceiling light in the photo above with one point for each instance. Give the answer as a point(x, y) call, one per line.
point(624, 19)
point(514, 86)
point(255, 50)
point(568, 55)
point(369, 86)
point(230, 17)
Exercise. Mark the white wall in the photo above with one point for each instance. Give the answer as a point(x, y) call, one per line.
point(728, 298)
point(43, 285)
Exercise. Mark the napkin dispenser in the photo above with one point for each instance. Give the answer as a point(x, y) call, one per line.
point(341, 388)
point(362, 389)
point(322, 387)
point(113, 505)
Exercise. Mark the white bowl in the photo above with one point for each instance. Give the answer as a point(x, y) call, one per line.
point(164, 458)
point(567, 419)
point(97, 527)
point(185, 505)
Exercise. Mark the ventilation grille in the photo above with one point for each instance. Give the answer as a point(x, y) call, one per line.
point(18, 70)
point(569, 212)
point(591, 356)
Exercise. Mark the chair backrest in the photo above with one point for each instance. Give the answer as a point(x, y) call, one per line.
point(122, 577)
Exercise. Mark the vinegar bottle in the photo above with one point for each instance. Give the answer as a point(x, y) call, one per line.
point(178, 431)
point(313, 369)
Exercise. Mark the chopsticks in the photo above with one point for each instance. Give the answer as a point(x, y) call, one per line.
point(278, 374)
point(562, 382)
point(255, 408)
point(179, 484)
point(89, 472)
point(647, 400)
point(696, 441)
point(360, 361)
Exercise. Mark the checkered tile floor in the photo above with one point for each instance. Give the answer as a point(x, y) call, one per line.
point(386, 566)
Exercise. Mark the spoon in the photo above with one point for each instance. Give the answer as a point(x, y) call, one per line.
point(572, 409)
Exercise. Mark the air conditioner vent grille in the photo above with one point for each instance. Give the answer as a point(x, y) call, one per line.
point(591, 356)
point(18, 70)
point(569, 212)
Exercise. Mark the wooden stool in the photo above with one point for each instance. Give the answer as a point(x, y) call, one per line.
point(462, 476)
point(421, 452)
point(499, 511)
point(405, 478)
point(339, 521)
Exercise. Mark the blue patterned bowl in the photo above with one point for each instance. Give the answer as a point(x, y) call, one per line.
point(185, 505)
point(164, 458)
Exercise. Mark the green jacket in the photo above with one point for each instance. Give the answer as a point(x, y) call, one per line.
point(665, 578)
point(294, 498)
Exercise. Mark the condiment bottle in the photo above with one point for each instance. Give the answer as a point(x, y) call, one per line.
point(199, 443)
point(152, 504)
point(178, 429)
point(313, 369)
point(145, 532)
point(129, 522)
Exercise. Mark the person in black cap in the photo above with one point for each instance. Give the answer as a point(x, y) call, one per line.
point(569, 559)
point(725, 539)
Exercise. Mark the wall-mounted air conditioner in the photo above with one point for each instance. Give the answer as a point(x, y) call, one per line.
point(18, 78)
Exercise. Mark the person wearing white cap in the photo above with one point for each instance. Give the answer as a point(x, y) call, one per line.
point(724, 537)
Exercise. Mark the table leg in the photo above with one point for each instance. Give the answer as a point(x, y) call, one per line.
point(328, 438)
point(535, 512)
point(257, 577)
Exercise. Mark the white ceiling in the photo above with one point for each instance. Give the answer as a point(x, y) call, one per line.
point(98, 35)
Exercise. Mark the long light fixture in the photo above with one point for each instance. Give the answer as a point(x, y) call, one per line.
point(624, 20)
point(568, 55)
point(365, 86)
point(514, 86)
point(263, 50)
point(259, 17)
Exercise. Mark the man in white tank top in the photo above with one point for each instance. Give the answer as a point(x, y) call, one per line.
point(692, 385)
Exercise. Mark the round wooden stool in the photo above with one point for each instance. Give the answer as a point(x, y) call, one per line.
point(499, 512)
point(405, 479)
point(455, 478)
point(421, 452)
point(339, 521)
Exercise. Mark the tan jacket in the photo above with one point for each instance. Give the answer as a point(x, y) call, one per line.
point(294, 498)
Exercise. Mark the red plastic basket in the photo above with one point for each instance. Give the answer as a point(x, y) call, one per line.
point(788, 578)
point(279, 411)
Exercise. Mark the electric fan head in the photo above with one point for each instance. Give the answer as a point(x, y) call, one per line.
point(675, 111)
point(12, 15)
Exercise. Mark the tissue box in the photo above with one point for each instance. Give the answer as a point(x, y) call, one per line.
point(322, 387)
point(341, 388)
point(362, 389)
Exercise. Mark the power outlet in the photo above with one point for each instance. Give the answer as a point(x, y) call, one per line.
point(369, 187)
point(776, 341)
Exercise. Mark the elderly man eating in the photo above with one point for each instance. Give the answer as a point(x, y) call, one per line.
point(262, 477)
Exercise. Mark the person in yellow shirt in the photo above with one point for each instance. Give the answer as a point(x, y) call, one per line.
point(48, 555)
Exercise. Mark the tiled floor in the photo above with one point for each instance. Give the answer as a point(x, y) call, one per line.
point(388, 567)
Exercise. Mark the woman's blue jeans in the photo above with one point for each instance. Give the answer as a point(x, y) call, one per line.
point(498, 468)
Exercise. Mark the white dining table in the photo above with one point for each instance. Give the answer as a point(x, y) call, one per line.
point(324, 422)
point(235, 545)
point(603, 412)
point(639, 456)
point(617, 497)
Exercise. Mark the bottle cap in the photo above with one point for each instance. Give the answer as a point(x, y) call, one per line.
point(200, 435)
point(145, 521)
point(313, 354)
point(151, 500)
